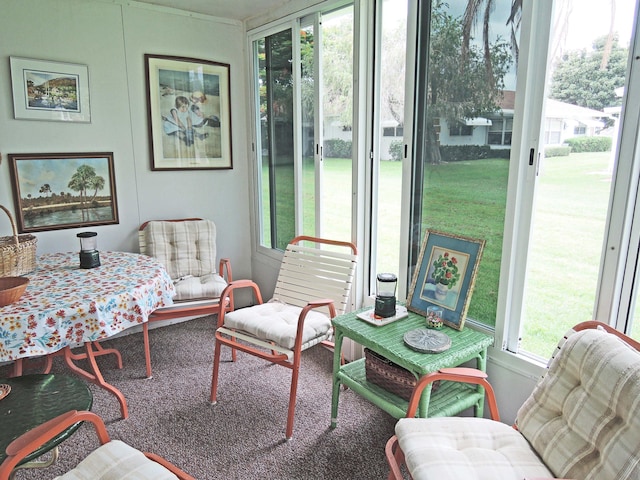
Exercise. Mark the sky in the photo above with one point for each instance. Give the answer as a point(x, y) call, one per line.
point(32, 174)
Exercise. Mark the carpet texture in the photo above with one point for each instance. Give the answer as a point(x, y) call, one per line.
point(242, 437)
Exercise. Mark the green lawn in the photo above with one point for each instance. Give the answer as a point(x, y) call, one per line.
point(468, 198)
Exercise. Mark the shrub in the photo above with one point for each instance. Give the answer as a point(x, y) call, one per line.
point(396, 148)
point(589, 144)
point(458, 153)
point(337, 148)
point(557, 152)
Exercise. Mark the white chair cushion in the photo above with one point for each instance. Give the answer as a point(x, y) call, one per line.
point(277, 322)
point(206, 286)
point(184, 248)
point(463, 448)
point(582, 418)
point(116, 460)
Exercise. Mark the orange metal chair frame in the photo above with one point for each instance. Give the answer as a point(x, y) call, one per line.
point(394, 454)
point(272, 356)
point(33, 439)
point(185, 308)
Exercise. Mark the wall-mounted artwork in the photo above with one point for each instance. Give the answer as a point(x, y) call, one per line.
point(445, 276)
point(189, 113)
point(53, 191)
point(45, 90)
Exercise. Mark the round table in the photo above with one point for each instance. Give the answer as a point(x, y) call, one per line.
point(65, 306)
point(36, 399)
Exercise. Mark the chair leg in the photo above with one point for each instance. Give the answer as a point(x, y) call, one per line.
point(147, 350)
point(292, 398)
point(214, 377)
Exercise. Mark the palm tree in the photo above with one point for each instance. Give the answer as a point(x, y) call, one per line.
point(46, 189)
point(470, 18)
point(80, 181)
point(97, 183)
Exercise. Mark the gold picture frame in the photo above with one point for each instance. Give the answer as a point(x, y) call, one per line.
point(445, 276)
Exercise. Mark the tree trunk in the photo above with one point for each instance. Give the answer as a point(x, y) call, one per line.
point(432, 149)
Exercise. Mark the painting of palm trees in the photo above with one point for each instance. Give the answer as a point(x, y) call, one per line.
point(68, 190)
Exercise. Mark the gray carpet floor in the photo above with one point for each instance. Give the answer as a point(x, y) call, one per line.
point(242, 437)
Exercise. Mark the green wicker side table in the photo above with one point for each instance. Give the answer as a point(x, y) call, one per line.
point(34, 400)
point(450, 398)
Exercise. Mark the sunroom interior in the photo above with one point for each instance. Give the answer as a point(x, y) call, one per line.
point(349, 122)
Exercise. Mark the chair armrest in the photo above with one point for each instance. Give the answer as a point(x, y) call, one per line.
point(324, 302)
point(38, 436)
point(456, 374)
point(225, 269)
point(228, 293)
point(182, 475)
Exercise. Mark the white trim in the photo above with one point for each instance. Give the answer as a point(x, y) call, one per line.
point(527, 144)
point(173, 11)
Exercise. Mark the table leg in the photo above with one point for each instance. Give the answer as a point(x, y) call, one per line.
point(95, 376)
point(18, 365)
point(482, 365)
point(337, 362)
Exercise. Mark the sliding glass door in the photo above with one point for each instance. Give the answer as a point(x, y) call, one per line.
point(304, 90)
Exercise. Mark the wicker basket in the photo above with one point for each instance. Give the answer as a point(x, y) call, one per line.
point(390, 376)
point(17, 252)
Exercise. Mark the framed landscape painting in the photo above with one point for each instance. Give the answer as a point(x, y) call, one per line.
point(189, 113)
point(445, 276)
point(45, 90)
point(53, 191)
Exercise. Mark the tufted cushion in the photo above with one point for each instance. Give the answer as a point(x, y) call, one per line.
point(278, 322)
point(184, 248)
point(463, 448)
point(206, 286)
point(582, 418)
point(117, 461)
point(188, 251)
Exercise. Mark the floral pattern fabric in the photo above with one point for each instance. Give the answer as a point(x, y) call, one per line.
point(65, 305)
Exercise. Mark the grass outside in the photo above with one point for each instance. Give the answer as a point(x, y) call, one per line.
point(469, 198)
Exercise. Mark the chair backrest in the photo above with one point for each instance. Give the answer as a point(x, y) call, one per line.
point(184, 247)
point(324, 270)
point(582, 417)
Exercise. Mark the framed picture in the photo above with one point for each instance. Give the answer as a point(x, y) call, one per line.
point(445, 276)
point(45, 90)
point(189, 113)
point(53, 191)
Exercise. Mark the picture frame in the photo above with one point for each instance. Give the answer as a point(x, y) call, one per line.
point(445, 276)
point(189, 113)
point(54, 191)
point(48, 90)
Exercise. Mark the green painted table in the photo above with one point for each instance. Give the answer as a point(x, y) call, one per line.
point(34, 400)
point(449, 399)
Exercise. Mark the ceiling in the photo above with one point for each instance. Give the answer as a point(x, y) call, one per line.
point(234, 9)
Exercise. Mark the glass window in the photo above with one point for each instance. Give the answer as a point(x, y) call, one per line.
point(304, 92)
point(273, 55)
point(466, 78)
point(588, 61)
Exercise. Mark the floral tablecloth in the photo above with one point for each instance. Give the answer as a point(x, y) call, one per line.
point(65, 305)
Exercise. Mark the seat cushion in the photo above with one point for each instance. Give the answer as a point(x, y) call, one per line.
point(117, 461)
point(278, 322)
point(206, 286)
point(184, 248)
point(582, 417)
point(463, 448)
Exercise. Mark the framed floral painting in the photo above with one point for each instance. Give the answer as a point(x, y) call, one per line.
point(189, 113)
point(445, 276)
